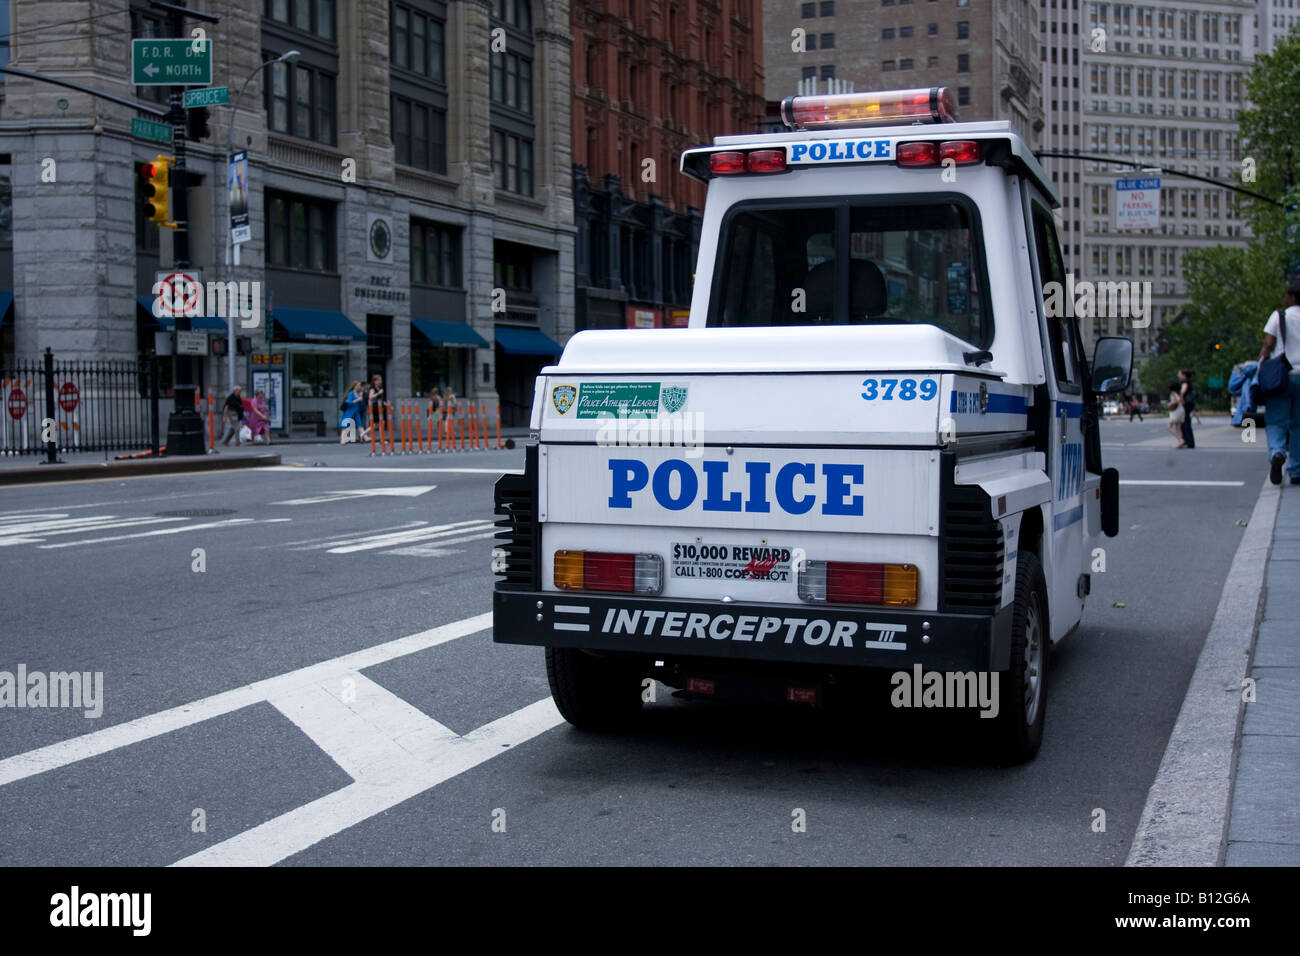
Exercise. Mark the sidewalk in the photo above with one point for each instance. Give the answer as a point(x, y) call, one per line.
point(1264, 822)
point(79, 466)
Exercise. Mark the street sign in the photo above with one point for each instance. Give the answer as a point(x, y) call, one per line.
point(214, 96)
point(171, 62)
point(1137, 204)
point(69, 395)
point(148, 129)
point(191, 343)
point(17, 404)
point(178, 292)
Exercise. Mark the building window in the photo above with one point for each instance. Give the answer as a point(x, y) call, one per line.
point(315, 375)
point(300, 101)
point(435, 254)
point(963, 96)
point(512, 267)
point(808, 11)
point(810, 42)
point(516, 13)
point(828, 8)
point(932, 30)
point(828, 41)
point(418, 42)
point(309, 16)
point(888, 66)
point(905, 64)
point(932, 63)
point(905, 32)
point(512, 162)
point(300, 233)
point(419, 134)
point(828, 72)
point(512, 81)
point(963, 62)
point(963, 29)
point(808, 73)
point(887, 33)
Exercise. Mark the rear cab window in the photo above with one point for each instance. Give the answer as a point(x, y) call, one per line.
point(910, 260)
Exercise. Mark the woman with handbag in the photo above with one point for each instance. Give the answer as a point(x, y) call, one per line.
point(1279, 387)
point(352, 415)
point(1177, 414)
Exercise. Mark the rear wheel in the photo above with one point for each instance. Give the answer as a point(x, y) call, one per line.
point(1022, 710)
point(593, 693)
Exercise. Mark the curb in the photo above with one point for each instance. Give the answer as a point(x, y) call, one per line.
point(1185, 820)
point(125, 469)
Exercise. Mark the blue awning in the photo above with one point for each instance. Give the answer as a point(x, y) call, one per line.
point(6, 303)
point(198, 323)
point(442, 332)
point(526, 342)
point(317, 324)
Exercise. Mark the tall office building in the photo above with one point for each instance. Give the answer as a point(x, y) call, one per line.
point(987, 52)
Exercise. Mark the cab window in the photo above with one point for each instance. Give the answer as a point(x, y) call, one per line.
point(1061, 334)
point(852, 264)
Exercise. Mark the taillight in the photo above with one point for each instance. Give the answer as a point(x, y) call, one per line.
point(766, 161)
point(918, 154)
point(962, 152)
point(725, 164)
point(609, 571)
point(847, 582)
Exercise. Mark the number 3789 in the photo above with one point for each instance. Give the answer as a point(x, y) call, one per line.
point(904, 389)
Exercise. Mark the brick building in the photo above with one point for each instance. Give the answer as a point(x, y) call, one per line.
point(403, 168)
point(650, 79)
point(987, 52)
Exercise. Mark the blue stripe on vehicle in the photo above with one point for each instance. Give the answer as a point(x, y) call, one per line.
point(1072, 409)
point(999, 404)
point(1066, 518)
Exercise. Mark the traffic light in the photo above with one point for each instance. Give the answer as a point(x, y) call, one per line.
point(156, 176)
point(196, 124)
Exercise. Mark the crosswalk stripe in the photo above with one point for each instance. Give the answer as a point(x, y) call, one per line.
point(409, 537)
point(206, 526)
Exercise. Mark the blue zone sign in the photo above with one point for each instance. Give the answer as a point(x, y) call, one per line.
point(838, 151)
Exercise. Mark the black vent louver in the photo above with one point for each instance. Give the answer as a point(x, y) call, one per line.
point(519, 535)
point(971, 553)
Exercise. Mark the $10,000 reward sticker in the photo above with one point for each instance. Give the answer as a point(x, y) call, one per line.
point(730, 562)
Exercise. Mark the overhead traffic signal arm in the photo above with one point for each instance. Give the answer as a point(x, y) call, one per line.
point(157, 178)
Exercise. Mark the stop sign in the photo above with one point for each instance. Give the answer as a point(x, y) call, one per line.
point(68, 397)
point(17, 403)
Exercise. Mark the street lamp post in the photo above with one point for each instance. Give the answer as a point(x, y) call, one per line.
point(230, 239)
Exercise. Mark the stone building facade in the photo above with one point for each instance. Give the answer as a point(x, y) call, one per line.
point(409, 192)
point(986, 52)
point(651, 78)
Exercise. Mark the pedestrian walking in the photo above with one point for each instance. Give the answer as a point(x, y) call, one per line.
point(1187, 400)
point(259, 417)
point(1134, 408)
point(232, 416)
point(1176, 415)
point(375, 398)
point(1282, 410)
point(352, 413)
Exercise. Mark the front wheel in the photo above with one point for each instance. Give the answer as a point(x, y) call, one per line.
point(1018, 727)
point(593, 693)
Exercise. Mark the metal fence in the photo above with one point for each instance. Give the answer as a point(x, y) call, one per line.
point(52, 407)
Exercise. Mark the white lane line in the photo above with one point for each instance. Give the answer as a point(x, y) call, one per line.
point(99, 742)
point(364, 728)
point(227, 523)
point(45, 509)
point(342, 538)
point(1186, 484)
point(404, 471)
point(411, 491)
point(383, 789)
point(439, 548)
point(74, 524)
point(409, 537)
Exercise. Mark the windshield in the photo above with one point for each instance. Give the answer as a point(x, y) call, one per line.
point(905, 263)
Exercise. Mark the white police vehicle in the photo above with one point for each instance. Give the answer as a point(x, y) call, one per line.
point(875, 446)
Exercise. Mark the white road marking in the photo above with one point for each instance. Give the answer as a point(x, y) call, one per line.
point(342, 538)
point(413, 491)
point(70, 751)
point(206, 526)
point(374, 542)
point(45, 508)
point(380, 787)
point(1187, 484)
point(402, 471)
point(441, 549)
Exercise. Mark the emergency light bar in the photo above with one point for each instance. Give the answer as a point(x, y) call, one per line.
point(890, 108)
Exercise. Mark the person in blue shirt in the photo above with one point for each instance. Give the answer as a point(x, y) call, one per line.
point(1282, 412)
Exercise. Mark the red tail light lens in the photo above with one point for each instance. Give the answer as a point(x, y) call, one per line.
point(728, 163)
point(854, 583)
point(918, 154)
point(608, 572)
point(962, 152)
point(766, 161)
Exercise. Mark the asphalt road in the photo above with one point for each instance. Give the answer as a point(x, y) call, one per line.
point(306, 564)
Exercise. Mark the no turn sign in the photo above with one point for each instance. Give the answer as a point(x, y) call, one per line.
point(69, 395)
point(17, 404)
point(177, 293)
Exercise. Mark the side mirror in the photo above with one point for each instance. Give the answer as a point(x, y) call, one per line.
point(1112, 365)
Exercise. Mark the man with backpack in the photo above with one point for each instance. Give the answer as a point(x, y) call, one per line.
point(1282, 387)
point(1187, 397)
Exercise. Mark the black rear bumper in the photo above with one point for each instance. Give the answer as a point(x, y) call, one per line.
point(806, 634)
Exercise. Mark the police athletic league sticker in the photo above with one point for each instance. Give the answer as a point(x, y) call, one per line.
point(562, 397)
point(724, 562)
point(673, 397)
